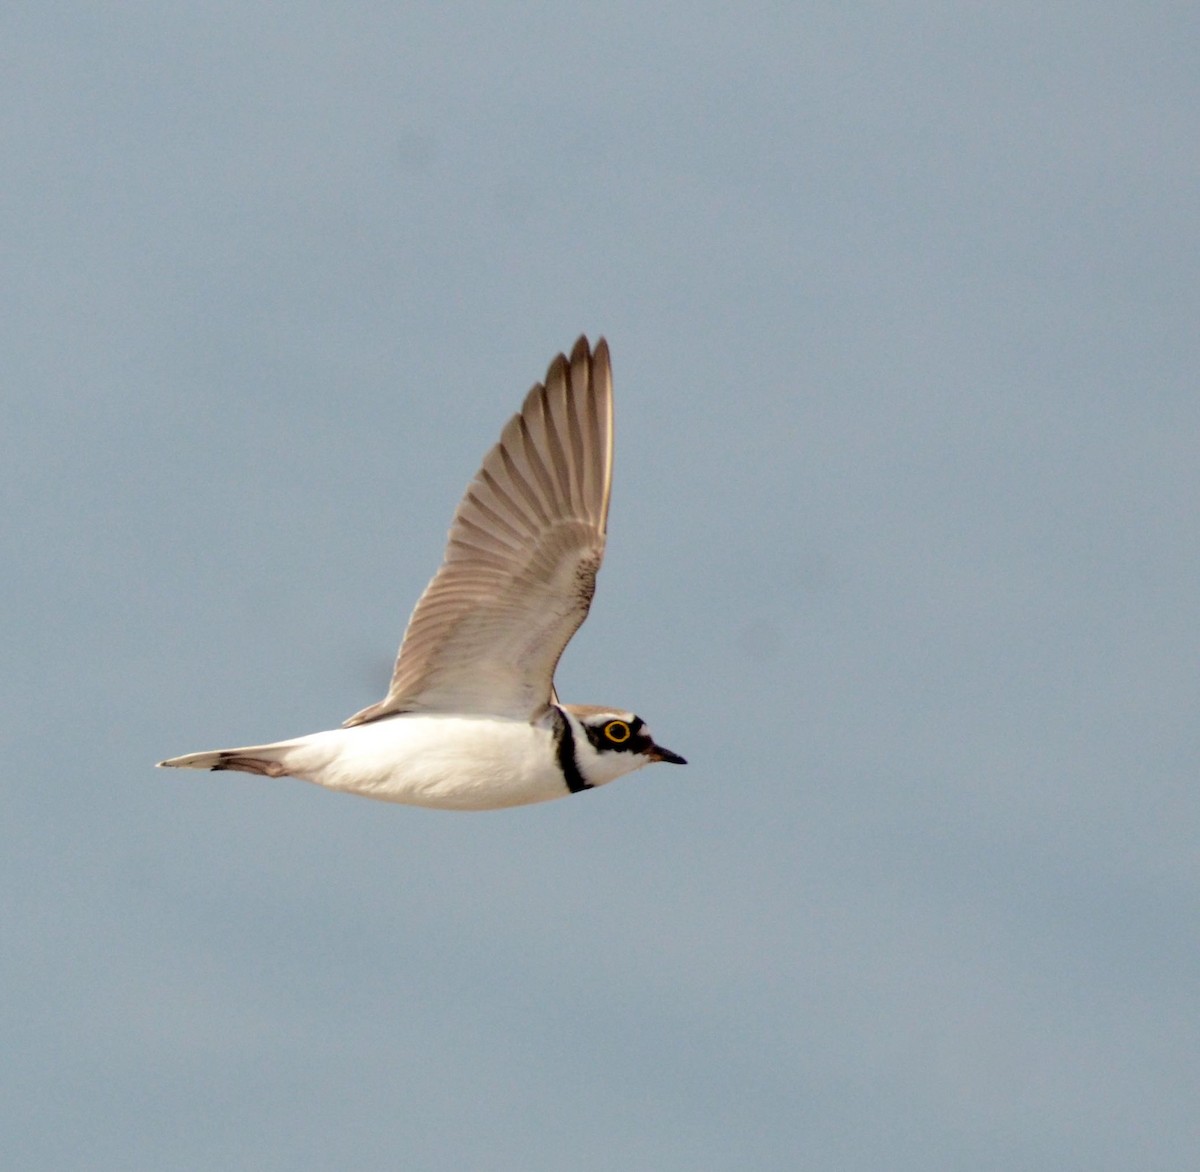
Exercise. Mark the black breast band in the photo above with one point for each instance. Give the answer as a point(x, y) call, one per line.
point(565, 739)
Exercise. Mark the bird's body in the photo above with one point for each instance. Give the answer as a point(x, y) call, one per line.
point(430, 759)
point(472, 721)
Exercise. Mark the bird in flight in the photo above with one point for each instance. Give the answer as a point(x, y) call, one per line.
point(472, 720)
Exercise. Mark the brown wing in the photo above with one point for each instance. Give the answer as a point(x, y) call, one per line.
point(520, 565)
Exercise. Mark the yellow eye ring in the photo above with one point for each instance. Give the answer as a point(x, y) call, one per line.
point(617, 731)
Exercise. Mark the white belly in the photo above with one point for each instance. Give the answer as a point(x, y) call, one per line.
point(450, 762)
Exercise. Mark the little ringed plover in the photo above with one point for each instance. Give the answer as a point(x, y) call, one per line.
point(472, 720)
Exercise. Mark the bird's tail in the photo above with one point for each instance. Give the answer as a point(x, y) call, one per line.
point(265, 760)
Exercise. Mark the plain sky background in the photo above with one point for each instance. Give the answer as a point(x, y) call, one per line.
point(903, 304)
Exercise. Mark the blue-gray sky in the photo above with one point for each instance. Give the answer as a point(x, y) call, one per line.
point(903, 303)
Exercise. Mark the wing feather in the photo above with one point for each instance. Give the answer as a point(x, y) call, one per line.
point(520, 565)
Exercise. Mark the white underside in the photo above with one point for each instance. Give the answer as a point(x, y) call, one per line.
point(448, 762)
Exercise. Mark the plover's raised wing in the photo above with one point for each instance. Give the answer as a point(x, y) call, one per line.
point(520, 565)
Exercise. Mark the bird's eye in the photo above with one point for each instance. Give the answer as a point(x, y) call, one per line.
point(617, 731)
